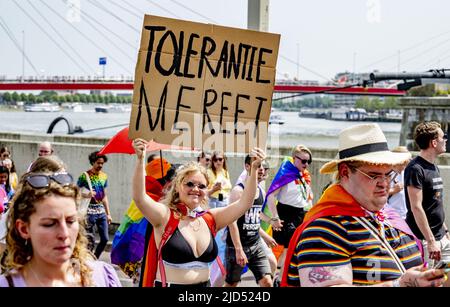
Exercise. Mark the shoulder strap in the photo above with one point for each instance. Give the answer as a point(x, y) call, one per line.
point(171, 225)
point(209, 219)
point(88, 179)
point(363, 221)
point(9, 280)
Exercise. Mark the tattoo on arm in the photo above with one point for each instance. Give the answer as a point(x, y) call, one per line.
point(322, 274)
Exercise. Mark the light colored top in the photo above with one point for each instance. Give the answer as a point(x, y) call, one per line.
point(222, 176)
point(294, 194)
point(397, 201)
point(103, 275)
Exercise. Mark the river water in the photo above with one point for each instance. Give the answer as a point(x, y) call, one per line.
point(312, 132)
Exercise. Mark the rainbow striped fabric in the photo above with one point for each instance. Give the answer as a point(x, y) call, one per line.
point(286, 173)
point(129, 240)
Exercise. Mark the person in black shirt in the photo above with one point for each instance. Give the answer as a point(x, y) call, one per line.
point(424, 193)
point(244, 245)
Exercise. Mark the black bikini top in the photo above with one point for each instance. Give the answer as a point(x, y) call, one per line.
point(177, 250)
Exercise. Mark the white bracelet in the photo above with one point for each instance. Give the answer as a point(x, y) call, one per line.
point(396, 283)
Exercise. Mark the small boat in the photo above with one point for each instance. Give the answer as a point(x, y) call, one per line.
point(113, 109)
point(42, 107)
point(74, 107)
point(276, 119)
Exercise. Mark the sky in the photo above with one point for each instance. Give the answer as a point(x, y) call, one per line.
point(318, 38)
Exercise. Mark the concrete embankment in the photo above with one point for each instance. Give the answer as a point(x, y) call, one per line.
point(74, 151)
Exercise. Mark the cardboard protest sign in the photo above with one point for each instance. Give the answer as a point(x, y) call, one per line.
point(202, 85)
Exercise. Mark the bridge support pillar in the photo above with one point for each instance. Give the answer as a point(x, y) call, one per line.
point(258, 15)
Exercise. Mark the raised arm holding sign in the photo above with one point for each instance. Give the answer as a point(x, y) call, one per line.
point(202, 85)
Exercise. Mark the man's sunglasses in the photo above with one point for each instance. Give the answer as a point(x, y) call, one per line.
point(191, 185)
point(304, 161)
point(218, 159)
point(40, 181)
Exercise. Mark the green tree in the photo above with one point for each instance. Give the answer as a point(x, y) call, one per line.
point(7, 97)
point(82, 98)
point(15, 97)
point(391, 103)
point(31, 98)
point(76, 97)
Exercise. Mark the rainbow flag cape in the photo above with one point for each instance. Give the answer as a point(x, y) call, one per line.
point(287, 172)
point(129, 240)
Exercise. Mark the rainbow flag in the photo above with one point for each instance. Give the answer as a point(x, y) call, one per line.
point(129, 240)
point(287, 172)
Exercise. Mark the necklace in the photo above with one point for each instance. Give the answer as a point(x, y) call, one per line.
point(195, 225)
point(39, 280)
point(36, 277)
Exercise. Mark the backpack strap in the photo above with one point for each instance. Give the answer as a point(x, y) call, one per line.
point(209, 219)
point(171, 225)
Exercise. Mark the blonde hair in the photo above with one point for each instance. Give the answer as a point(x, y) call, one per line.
point(301, 148)
point(19, 252)
point(172, 197)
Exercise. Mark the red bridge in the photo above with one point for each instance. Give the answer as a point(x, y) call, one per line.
point(122, 86)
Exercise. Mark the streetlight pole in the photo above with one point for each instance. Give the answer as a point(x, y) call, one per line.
point(23, 55)
point(298, 62)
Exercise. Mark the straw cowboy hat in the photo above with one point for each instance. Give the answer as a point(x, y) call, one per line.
point(365, 143)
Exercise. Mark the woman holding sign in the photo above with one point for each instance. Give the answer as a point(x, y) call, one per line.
point(184, 231)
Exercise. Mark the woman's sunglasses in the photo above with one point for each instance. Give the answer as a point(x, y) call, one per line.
point(191, 185)
point(40, 181)
point(218, 159)
point(304, 161)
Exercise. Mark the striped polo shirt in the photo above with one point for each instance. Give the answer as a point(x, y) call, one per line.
point(341, 240)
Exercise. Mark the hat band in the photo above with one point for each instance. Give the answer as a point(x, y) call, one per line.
point(363, 149)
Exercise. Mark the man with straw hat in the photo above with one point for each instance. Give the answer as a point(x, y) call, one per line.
point(345, 239)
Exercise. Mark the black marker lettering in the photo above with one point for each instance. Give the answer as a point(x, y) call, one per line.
point(151, 41)
point(260, 63)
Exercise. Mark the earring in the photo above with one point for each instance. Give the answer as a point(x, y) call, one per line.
point(26, 247)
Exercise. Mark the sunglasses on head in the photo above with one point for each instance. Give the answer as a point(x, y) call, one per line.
point(39, 181)
point(304, 161)
point(191, 185)
point(218, 159)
